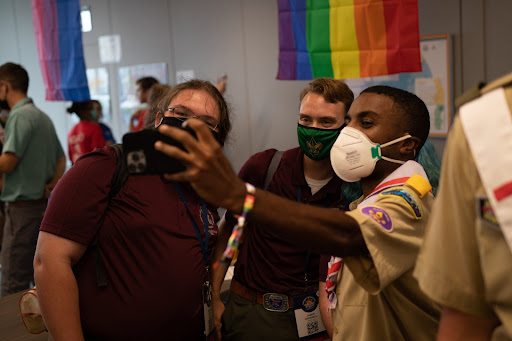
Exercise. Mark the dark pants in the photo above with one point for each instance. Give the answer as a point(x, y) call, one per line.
point(245, 320)
point(18, 246)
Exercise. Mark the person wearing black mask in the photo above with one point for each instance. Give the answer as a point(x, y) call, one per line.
point(155, 238)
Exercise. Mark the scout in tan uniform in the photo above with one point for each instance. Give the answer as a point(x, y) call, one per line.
point(465, 262)
point(379, 240)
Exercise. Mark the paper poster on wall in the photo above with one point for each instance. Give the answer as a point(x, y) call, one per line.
point(98, 82)
point(184, 75)
point(110, 48)
point(432, 84)
point(128, 77)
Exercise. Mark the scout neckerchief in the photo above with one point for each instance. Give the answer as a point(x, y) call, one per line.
point(490, 142)
point(207, 287)
point(397, 178)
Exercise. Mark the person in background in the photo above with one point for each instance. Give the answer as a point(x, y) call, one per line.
point(86, 134)
point(375, 296)
point(156, 94)
point(464, 263)
point(32, 161)
point(144, 85)
point(268, 263)
point(4, 114)
point(153, 236)
point(105, 129)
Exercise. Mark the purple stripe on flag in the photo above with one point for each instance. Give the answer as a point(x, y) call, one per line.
point(287, 54)
point(298, 10)
point(51, 46)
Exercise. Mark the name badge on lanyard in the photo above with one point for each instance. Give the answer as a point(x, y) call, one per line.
point(207, 285)
point(308, 318)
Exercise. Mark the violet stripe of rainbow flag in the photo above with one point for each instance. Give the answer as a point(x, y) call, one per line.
point(59, 45)
point(347, 38)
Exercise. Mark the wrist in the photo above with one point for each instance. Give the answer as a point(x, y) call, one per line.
point(235, 201)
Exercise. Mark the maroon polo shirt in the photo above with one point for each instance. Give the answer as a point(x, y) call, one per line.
point(151, 253)
point(268, 262)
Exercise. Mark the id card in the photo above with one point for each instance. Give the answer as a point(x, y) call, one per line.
point(208, 311)
point(308, 319)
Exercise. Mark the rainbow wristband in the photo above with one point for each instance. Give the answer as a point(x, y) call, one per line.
point(234, 239)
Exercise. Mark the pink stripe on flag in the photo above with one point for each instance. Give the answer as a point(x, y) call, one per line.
point(37, 14)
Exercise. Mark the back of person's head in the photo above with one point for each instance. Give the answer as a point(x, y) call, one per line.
point(431, 163)
point(332, 90)
point(16, 75)
point(156, 94)
point(82, 109)
point(146, 83)
point(210, 89)
point(416, 119)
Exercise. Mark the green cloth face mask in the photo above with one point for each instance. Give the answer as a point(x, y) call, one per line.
point(316, 143)
point(94, 114)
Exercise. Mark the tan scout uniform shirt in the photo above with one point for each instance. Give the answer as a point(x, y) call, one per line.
point(378, 299)
point(465, 262)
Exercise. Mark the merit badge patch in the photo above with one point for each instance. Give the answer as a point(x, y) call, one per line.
point(407, 197)
point(486, 213)
point(380, 216)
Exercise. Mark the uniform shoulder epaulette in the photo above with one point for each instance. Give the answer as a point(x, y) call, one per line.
point(498, 83)
point(419, 184)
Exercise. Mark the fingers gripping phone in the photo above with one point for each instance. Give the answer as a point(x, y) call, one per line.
point(142, 158)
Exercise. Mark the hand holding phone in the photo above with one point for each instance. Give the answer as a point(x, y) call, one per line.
point(142, 158)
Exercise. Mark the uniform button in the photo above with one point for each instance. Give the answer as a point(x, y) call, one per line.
point(335, 330)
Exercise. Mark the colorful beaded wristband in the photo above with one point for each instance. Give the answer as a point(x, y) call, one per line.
point(234, 239)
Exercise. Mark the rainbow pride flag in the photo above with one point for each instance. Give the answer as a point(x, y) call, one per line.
point(59, 46)
point(347, 38)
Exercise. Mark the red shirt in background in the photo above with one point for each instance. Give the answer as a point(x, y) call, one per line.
point(83, 138)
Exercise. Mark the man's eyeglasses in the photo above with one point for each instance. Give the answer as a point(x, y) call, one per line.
point(184, 114)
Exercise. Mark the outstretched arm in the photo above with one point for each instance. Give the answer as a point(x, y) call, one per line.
point(212, 177)
point(57, 290)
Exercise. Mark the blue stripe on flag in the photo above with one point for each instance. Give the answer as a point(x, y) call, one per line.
point(298, 11)
point(72, 65)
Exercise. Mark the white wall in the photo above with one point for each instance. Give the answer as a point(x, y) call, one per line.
point(240, 38)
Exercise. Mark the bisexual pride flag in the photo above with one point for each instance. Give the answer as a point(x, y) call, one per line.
point(59, 45)
point(347, 38)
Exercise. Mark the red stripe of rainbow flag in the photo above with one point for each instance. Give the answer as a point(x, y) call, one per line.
point(347, 38)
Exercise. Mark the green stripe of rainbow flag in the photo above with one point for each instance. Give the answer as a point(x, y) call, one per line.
point(347, 38)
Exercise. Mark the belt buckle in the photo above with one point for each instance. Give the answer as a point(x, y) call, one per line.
point(275, 302)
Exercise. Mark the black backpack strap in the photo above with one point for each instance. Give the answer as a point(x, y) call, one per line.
point(121, 173)
point(272, 167)
point(118, 180)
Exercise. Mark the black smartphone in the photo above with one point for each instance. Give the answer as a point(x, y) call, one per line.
point(142, 158)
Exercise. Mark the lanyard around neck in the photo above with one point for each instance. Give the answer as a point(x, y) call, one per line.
point(204, 245)
point(307, 256)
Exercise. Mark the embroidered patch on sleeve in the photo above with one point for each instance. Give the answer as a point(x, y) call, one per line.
point(486, 213)
point(408, 198)
point(380, 216)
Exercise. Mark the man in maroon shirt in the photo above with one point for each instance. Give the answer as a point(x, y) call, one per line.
point(154, 236)
point(267, 262)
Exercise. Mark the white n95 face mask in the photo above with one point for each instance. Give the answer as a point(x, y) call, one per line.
point(354, 155)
